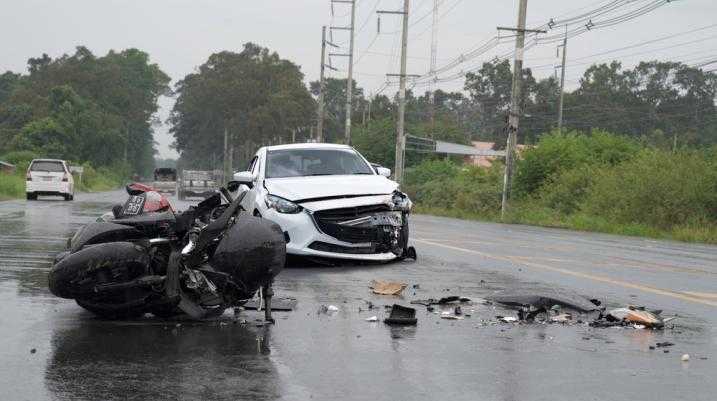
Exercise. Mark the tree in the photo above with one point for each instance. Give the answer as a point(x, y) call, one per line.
point(102, 105)
point(490, 89)
point(258, 97)
point(335, 106)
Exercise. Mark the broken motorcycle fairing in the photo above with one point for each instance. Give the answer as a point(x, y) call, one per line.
point(149, 259)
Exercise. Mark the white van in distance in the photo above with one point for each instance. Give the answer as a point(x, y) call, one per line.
point(49, 177)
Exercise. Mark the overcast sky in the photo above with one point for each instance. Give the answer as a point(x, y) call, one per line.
point(180, 34)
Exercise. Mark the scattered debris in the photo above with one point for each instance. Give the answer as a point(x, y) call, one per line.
point(416, 286)
point(372, 319)
point(33, 350)
point(452, 317)
point(562, 318)
point(685, 357)
point(386, 287)
point(441, 301)
point(277, 304)
point(458, 311)
point(507, 319)
point(401, 315)
point(664, 344)
point(544, 300)
point(638, 315)
point(323, 309)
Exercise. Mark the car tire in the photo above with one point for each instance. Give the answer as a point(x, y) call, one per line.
point(31, 196)
point(67, 197)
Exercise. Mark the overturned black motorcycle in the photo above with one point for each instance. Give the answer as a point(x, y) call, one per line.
point(141, 259)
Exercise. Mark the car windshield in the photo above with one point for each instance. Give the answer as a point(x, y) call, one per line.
point(49, 166)
point(309, 162)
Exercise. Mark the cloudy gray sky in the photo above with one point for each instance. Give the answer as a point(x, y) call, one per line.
point(180, 34)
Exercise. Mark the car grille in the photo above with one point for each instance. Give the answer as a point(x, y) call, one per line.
point(326, 247)
point(328, 222)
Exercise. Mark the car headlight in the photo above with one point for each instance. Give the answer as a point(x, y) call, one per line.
point(281, 205)
point(401, 201)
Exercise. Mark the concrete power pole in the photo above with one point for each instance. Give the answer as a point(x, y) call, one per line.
point(562, 81)
point(228, 176)
point(400, 135)
point(350, 55)
point(350, 79)
point(514, 113)
point(434, 51)
point(320, 115)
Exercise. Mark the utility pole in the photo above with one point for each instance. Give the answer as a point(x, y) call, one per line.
point(515, 96)
point(562, 81)
point(320, 116)
point(350, 55)
point(227, 158)
point(434, 51)
point(400, 135)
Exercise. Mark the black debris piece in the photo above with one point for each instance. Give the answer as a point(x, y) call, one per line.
point(401, 315)
point(416, 286)
point(446, 300)
point(664, 344)
point(410, 253)
point(543, 300)
point(458, 311)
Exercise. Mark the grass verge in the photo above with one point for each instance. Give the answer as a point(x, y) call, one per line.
point(543, 217)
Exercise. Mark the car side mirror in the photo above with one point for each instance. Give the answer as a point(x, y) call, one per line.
point(244, 177)
point(386, 172)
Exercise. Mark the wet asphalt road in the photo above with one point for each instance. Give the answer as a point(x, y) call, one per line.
point(341, 356)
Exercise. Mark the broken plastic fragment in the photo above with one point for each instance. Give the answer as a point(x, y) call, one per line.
point(507, 319)
point(685, 357)
point(636, 315)
point(372, 319)
point(562, 318)
point(332, 308)
point(387, 288)
point(401, 315)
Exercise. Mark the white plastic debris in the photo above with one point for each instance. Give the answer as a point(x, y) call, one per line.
point(372, 319)
point(685, 357)
point(332, 308)
point(451, 317)
point(508, 319)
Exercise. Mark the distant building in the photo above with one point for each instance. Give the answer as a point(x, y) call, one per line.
point(484, 161)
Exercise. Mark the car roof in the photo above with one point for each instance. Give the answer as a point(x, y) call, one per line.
point(308, 146)
point(47, 160)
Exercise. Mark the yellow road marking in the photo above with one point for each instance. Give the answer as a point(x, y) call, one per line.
point(518, 260)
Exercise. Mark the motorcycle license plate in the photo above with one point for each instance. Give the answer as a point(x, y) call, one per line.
point(134, 205)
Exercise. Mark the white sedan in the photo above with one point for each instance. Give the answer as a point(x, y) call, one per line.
point(329, 201)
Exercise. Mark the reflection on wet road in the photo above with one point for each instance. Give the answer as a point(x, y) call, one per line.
point(307, 355)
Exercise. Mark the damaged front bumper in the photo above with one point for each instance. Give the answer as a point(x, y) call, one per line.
point(370, 228)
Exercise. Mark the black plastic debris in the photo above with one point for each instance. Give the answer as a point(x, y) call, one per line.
point(664, 344)
point(441, 301)
point(544, 300)
point(410, 253)
point(401, 315)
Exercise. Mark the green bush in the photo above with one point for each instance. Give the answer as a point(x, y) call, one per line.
point(657, 188)
point(565, 192)
point(558, 152)
point(443, 184)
